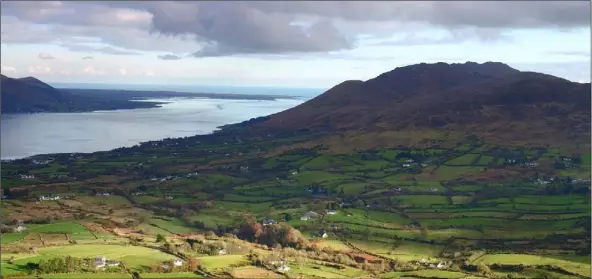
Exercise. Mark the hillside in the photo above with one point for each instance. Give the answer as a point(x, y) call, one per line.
point(489, 99)
point(30, 95)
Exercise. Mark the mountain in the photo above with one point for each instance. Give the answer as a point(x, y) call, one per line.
point(489, 100)
point(29, 95)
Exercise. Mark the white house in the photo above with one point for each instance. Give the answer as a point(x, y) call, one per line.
point(27, 176)
point(323, 234)
point(332, 212)
point(283, 268)
point(113, 263)
point(441, 265)
point(20, 228)
point(100, 262)
point(222, 252)
point(406, 165)
point(178, 262)
point(49, 197)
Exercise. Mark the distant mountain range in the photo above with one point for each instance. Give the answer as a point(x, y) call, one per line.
point(30, 95)
point(489, 100)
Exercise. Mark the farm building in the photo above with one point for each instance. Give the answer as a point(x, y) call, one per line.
point(309, 215)
point(283, 268)
point(49, 197)
point(331, 212)
point(267, 222)
point(27, 176)
point(323, 234)
point(100, 262)
point(178, 262)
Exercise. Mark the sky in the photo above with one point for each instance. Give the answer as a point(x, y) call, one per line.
point(306, 44)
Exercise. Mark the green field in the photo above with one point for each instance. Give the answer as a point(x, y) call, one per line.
point(464, 160)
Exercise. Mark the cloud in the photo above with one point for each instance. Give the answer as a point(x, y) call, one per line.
point(38, 70)
point(105, 49)
point(122, 72)
point(210, 29)
point(585, 54)
point(453, 37)
point(45, 56)
point(87, 58)
point(169, 57)
point(8, 69)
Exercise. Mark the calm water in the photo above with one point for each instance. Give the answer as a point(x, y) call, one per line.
point(25, 135)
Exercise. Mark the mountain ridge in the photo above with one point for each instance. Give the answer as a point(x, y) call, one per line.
point(441, 96)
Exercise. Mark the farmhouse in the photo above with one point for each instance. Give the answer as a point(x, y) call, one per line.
point(100, 262)
point(222, 252)
point(267, 222)
point(283, 268)
point(309, 215)
point(178, 262)
point(20, 228)
point(49, 197)
point(113, 263)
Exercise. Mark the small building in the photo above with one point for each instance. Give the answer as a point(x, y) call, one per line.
point(222, 252)
point(27, 176)
point(283, 268)
point(113, 263)
point(100, 262)
point(20, 228)
point(331, 212)
point(323, 234)
point(441, 265)
point(309, 215)
point(267, 222)
point(49, 197)
point(406, 165)
point(423, 261)
point(178, 262)
point(169, 197)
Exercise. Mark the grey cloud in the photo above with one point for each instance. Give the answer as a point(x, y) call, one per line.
point(268, 27)
point(105, 50)
point(45, 56)
point(87, 58)
point(490, 35)
point(169, 57)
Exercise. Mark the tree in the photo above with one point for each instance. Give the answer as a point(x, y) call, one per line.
point(483, 269)
point(160, 238)
point(136, 275)
point(192, 264)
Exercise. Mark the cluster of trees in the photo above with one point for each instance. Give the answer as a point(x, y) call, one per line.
point(272, 235)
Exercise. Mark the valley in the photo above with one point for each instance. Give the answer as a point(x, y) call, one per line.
point(465, 209)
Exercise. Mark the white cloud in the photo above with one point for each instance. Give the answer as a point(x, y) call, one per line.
point(123, 71)
point(45, 56)
point(89, 70)
point(8, 69)
point(39, 70)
